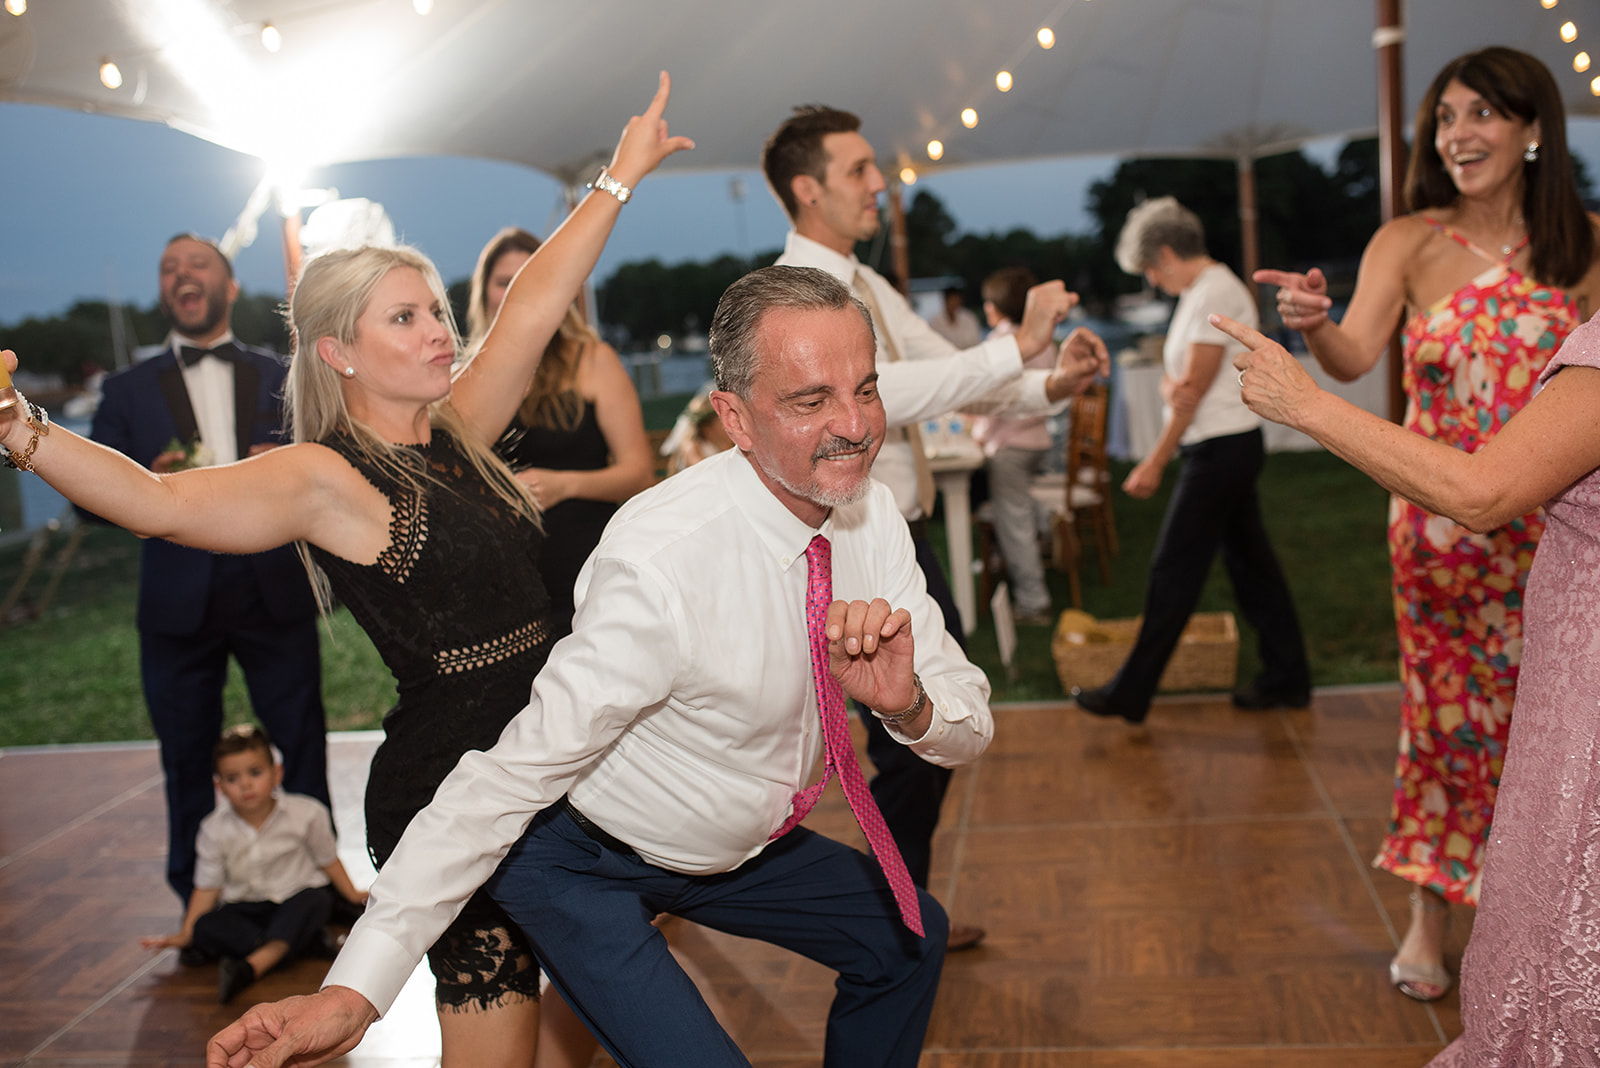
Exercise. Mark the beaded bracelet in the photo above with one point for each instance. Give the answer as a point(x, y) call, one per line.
point(38, 421)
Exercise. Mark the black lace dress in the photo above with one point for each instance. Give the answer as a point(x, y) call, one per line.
point(572, 527)
point(457, 610)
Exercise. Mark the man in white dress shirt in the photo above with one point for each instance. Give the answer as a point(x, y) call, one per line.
point(824, 174)
point(656, 766)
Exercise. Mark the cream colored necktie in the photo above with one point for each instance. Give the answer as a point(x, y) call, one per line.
point(913, 433)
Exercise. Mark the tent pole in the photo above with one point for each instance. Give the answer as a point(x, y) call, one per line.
point(1249, 238)
point(1388, 40)
point(898, 245)
point(291, 252)
point(574, 191)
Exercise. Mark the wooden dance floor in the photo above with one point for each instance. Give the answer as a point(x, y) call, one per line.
point(1191, 894)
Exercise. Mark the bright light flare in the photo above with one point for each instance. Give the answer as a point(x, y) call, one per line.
point(969, 118)
point(1047, 37)
point(1569, 32)
point(935, 149)
point(110, 76)
point(271, 39)
point(422, 7)
point(1002, 81)
point(17, 7)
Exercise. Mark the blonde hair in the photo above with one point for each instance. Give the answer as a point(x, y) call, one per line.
point(551, 400)
point(332, 293)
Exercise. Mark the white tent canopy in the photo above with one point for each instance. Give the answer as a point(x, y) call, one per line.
point(547, 84)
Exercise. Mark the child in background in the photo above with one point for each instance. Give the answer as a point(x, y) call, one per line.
point(266, 871)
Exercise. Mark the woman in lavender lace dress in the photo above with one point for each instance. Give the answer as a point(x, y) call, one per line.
point(1530, 980)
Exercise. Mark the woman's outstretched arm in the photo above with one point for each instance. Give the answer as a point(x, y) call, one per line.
point(1541, 451)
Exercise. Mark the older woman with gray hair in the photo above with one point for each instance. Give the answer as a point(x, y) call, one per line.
point(1214, 504)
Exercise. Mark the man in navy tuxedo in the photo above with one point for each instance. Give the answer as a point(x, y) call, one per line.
point(209, 400)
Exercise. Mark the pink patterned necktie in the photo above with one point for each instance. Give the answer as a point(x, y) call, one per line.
point(839, 754)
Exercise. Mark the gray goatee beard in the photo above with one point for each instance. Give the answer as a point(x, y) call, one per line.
point(838, 496)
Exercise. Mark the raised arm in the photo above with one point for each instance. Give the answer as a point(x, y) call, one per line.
point(488, 390)
point(1543, 449)
point(1353, 346)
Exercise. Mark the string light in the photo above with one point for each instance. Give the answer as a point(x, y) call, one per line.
point(422, 7)
point(908, 176)
point(935, 149)
point(110, 76)
point(271, 39)
point(1569, 32)
point(1047, 37)
point(1002, 81)
point(17, 7)
point(969, 118)
point(1594, 87)
point(1580, 62)
point(1547, 4)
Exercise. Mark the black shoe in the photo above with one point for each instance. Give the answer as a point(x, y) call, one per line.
point(193, 957)
point(1097, 702)
point(325, 946)
point(1258, 698)
point(233, 975)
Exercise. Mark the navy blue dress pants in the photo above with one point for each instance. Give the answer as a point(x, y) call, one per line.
point(587, 909)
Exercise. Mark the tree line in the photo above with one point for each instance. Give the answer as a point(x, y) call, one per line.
point(1307, 215)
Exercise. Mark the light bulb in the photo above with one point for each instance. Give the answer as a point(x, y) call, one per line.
point(1047, 38)
point(969, 118)
point(17, 7)
point(422, 7)
point(1580, 62)
point(1569, 32)
point(1002, 81)
point(908, 176)
point(935, 149)
point(110, 76)
point(271, 39)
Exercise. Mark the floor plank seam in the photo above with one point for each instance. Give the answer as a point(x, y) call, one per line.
point(1363, 866)
point(87, 817)
point(1166, 821)
point(104, 999)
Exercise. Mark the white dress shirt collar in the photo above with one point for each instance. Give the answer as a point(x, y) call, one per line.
point(802, 251)
point(780, 530)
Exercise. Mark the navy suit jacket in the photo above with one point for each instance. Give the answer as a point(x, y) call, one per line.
point(142, 409)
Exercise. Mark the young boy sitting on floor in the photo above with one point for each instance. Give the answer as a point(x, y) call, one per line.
point(270, 859)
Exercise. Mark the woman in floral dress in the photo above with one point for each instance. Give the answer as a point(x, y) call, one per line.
point(1493, 269)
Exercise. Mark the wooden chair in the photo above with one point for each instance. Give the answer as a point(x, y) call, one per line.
point(1079, 499)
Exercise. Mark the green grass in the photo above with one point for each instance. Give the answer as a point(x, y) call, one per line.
point(1327, 523)
point(72, 675)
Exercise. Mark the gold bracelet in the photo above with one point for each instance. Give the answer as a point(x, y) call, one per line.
point(38, 421)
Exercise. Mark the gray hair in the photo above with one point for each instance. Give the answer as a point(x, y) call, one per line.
point(1158, 222)
point(734, 356)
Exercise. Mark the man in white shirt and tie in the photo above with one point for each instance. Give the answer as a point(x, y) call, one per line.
point(824, 174)
point(662, 761)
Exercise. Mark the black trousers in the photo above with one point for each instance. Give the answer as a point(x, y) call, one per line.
point(908, 789)
point(237, 930)
point(1214, 506)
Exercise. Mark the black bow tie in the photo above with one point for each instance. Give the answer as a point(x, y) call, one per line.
point(188, 355)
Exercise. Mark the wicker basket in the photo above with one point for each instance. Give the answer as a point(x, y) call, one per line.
point(1207, 656)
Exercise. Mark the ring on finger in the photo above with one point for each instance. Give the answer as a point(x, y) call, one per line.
point(1241, 379)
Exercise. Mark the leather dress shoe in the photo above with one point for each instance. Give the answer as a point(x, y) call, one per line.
point(963, 936)
point(1097, 702)
point(1258, 698)
point(233, 975)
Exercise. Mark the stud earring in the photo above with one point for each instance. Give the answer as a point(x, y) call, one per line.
point(1531, 153)
point(349, 372)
